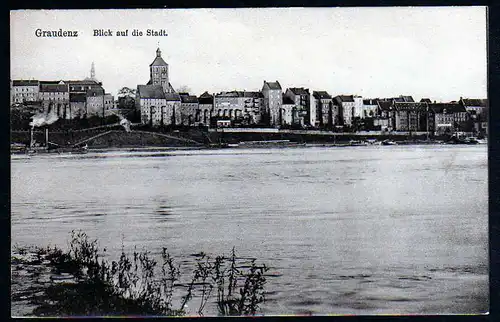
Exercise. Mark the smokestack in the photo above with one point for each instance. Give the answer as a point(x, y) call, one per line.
point(47, 137)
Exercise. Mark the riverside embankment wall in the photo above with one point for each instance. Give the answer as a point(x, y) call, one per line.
point(120, 138)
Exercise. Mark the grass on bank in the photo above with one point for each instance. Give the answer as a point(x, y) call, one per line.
point(138, 284)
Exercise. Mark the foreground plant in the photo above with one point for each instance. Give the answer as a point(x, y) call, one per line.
point(139, 285)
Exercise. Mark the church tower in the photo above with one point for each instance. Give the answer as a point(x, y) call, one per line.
point(159, 73)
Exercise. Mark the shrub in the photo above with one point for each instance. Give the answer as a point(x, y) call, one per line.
point(139, 285)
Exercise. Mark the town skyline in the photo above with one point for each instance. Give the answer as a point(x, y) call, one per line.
point(440, 61)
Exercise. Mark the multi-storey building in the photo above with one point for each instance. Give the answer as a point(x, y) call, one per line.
point(189, 109)
point(273, 100)
point(54, 97)
point(370, 108)
point(460, 115)
point(173, 112)
point(253, 106)
point(474, 106)
point(410, 116)
point(95, 102)
point(24, 91)
point(206, 106)
point(478, 113)
point(229, 105)
point(325, 111)
point(286, 111)
point(358, 106)
point(77, 104)
point(346, 105)
point(443, 117)
point(151, 99)
point(239, 106)
point(301, 113)
point(385, 115)
point(109, 102)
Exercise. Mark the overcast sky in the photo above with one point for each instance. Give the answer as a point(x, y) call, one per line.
point(435, 52)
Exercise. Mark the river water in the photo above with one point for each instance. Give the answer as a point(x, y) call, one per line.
point(346, 230)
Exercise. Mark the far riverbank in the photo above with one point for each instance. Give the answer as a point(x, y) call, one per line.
point(214, 138)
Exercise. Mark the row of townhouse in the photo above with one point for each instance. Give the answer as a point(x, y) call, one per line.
point(67, 99)
point(297, 106)
point(407, 115)
point(274, 106)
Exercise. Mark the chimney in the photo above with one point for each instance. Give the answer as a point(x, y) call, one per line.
point(46, 137)
point(31, 137)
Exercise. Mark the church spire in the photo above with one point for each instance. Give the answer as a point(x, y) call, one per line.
point(158, 52)
point(92, 71)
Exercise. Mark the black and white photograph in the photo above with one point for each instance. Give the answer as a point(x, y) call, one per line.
point(249, 162)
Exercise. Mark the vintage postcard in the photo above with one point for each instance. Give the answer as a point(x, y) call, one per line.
point(251, 161)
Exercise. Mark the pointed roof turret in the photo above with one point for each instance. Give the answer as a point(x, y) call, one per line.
point(158, 60)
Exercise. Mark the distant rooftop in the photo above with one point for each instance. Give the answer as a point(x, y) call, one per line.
point(474, 102)
point(273, 85)
point(344, 98)
point(321, 95)
point(299, 90)
point(188, 98)
point(53, 88)
point(405, 106)
point(21, 82)
point(447, 107)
